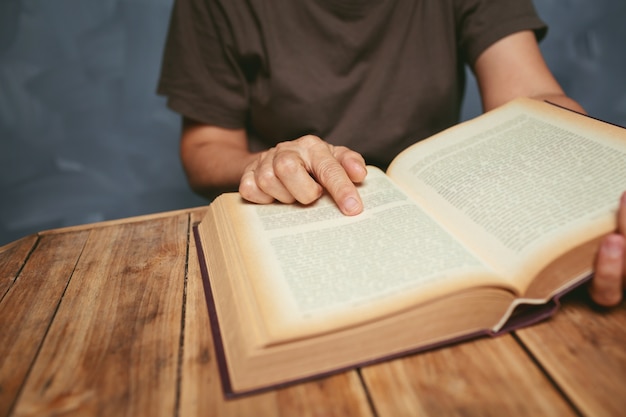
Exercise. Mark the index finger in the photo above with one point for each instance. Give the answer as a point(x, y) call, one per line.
point(333, 177)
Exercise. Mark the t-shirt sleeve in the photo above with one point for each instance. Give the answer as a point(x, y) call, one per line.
point(480, 23)
point(199, 73)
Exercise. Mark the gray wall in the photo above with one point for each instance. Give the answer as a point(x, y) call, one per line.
point(84, 138)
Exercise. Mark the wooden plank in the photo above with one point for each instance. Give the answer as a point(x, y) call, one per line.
point(584, 349)
point(201, 391)
point(125, 220)
point(29, 306)
point(113, 347)
point(12, 258)
point(485, 377)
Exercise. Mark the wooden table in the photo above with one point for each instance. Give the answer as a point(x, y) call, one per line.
point(109, 319)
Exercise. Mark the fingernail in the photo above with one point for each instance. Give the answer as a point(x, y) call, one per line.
point(351, 206)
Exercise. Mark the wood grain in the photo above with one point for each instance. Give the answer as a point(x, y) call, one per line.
point(125, 220)
point(201, 390)
point(113, 347)
point(30, 305)
point(584, 350)
point(12, 258)
point(92, 320)
point(485, 377)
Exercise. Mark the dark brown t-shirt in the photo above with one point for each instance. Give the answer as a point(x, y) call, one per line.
point(373, 75)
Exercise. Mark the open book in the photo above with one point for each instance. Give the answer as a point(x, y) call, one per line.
point(462, 231)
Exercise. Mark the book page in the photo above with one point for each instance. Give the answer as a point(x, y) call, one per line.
point(520, 185)
point(329, 270)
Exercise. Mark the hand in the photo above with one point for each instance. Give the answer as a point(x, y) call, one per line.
point(609, 281)
point(300, 170)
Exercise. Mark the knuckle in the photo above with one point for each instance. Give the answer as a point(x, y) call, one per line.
point(248, 188)
point(286, 165)
point(335, 180)
point(250, 192)
point(329, 171)
point(282, 147)
point(264, 178)
point(245, 194)
point(310, 141)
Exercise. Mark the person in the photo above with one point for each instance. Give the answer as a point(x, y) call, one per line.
point(284, 99)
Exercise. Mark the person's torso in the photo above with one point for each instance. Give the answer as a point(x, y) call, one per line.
point(373, 75)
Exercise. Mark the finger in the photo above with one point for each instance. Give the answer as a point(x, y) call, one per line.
point(621, 215)
point(250, 191)
point(334, 178)
point(621, 229)
point(352, 162)
point(267, 180)
point(290, 169)
point(607, 284)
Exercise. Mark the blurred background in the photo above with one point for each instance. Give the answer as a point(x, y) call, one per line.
point(84, 137)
